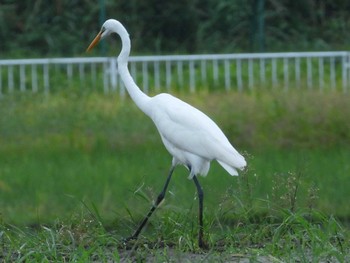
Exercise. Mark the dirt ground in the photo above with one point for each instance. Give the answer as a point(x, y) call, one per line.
point(171, 255)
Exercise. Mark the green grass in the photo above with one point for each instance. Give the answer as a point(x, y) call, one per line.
point(51, 185)
point(78, 172)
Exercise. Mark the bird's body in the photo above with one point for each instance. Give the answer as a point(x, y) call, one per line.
point(189, 135)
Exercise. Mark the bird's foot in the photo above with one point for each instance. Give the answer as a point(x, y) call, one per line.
point(202, 244)
point(126, 241)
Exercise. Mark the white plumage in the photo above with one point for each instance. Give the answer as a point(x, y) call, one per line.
point(189, 135)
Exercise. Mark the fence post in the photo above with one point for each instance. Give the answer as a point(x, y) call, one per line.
point(332, 73)
point(286, 73)
point(239, 74)
point(168, 74)
point(297, 72)
point(345, 68)
point(112, 73)
point(192, 77)
point(105, 78)
point(180, 74)
point(216, 72)
point(22, 78)
point(204, 71)
point(309, 72)
point(274, 72)
point(227, 75)
point(46, 78)
point(10, 78)
point(262, 72)
point(250, 74)
point(0, 81)
point(156, 76)
point(145, 76)
point(321, 73)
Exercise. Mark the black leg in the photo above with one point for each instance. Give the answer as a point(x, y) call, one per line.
point(159, 199)
point(201, 242)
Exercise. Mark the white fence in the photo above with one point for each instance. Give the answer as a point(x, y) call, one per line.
point(311, 70)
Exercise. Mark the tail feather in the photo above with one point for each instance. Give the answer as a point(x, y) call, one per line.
point(231, 170)
point(240, 163)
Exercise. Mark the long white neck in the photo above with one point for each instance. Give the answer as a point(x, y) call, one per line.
point(140, 98)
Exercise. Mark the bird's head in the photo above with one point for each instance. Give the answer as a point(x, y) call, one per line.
point(107, 28)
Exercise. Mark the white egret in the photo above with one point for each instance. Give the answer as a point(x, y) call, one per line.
point(189, 135)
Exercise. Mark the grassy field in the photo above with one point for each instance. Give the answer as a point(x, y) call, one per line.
point(78, 171)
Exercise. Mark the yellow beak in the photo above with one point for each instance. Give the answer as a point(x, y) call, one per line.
point(94, 42)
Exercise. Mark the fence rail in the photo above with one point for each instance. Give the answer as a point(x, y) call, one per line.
point(311, 70)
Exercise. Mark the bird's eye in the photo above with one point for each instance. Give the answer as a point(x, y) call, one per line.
point(103, 29)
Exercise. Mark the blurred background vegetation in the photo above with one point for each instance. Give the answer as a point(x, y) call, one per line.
point(63, 27)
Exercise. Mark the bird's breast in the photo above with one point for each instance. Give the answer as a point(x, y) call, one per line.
point(196, 163)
